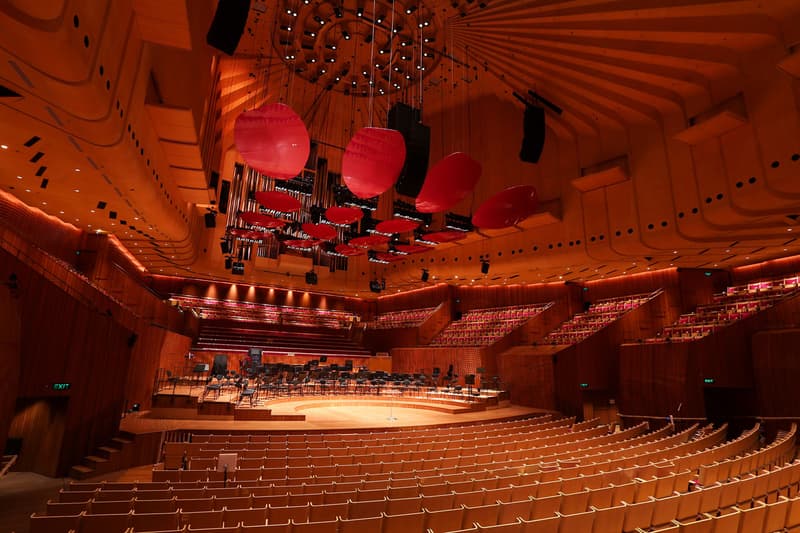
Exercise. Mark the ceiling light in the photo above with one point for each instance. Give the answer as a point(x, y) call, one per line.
point(76, 190)
point(4, 146)
point(19, 177)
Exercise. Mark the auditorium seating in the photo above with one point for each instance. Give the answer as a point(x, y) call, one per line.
point(407, 318)
point(223, 335)
point(482, 327)
point(732, 305)
point(542, 475)
point(599, 315)
point(242, 311)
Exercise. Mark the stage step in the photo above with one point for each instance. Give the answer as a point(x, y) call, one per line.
point(107, 452)
point(81, 472)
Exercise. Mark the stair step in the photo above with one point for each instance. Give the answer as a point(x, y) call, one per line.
point(107, 451)
point(95, 459)
point(121, 441)
point(81, 472)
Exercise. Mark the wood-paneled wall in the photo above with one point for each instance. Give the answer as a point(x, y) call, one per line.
point(465, 360)
point(10, 356)
point(776, 371)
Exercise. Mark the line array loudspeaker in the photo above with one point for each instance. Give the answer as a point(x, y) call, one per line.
point(533, 126)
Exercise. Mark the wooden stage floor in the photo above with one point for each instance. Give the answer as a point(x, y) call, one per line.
point(335, 414)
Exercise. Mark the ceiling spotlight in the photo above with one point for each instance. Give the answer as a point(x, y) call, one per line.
point(379, 19)
point(338, 12)
point(410, 9)
point(346, 35)
point(286, 28)
point(360, 11)
point(319, 20)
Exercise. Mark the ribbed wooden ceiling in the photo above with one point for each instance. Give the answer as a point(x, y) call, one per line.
point(677, 143)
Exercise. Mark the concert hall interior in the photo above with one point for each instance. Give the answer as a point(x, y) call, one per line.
point(399, 265)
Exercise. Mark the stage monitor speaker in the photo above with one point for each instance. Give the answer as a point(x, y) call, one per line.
point(211, 220)
point(311, 278)
point(424, 276)
point(224, 192)
point(228, 25)
point(533, 126)
point(417, 136)
point(485, 267)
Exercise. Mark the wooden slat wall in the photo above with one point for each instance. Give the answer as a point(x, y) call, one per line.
point(10, 356)
point(776, 371)
point(528, 376)
point(465, 360)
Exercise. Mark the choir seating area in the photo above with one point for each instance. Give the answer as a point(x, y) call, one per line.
point(212, 308)
point(537, 475)
point(407, 318)
point(483, 327)
point(599, 315)
point(736, 303)
point(226, 336)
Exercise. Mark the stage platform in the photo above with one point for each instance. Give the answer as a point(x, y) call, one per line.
point(323, 414)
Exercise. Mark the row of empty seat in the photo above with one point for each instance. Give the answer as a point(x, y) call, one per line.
point(482, 327)
point(599, 315)
point(214, 308)
point(406, 318)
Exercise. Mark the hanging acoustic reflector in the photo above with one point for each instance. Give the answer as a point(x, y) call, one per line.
point(372, 161)
point(278, 201)
point(350, 251)
point(445, 236)
point(301, 243)
point(396, 225)
point(506, 208)
point(448, 182)
point(343, 215)
point(324, 232)
point(261, 220)
point(273, 140)
point(369, 240)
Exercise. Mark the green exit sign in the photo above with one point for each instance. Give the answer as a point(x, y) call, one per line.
point(584, 385)
point(61, 386)
point(708, 381)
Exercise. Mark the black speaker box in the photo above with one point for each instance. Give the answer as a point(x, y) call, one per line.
point(224, 192)
point(424, 276)
point(211, 220)
point(484, 268)
point(375, 286)
point(228, 25)
point(225, 247)
point(417, 136)
point(311, 278)
point(533, 134)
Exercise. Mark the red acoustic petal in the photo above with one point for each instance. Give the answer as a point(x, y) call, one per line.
point(445, 236)
point(344, 215)
point(348, 250)
point(278, 201)
point(386, 256)
point(325, 232)
point(261, 220)
point(506, 208)
point(273, 140)
point(448, 182)
point(396, 225)
point(369, 240)
point(250, 235)
point(372, 161)
point(412, 248)
point(301, 243)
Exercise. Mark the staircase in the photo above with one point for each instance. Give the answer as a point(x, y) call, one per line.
point(115, 455)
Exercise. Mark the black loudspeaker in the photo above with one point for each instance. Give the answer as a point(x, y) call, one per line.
point(224, 192)
point(533, 134)
point(375, 286)
point(213, 180)
point(211, 220)
point(237, 268)
point(485, 267)
point(417, 136)
point(225, 247)
point(311, 278)
point(469, 379)
point(228, 263)
point(228, 25)
point(424, 276)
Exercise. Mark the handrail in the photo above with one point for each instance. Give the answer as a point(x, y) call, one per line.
point(8, 462)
